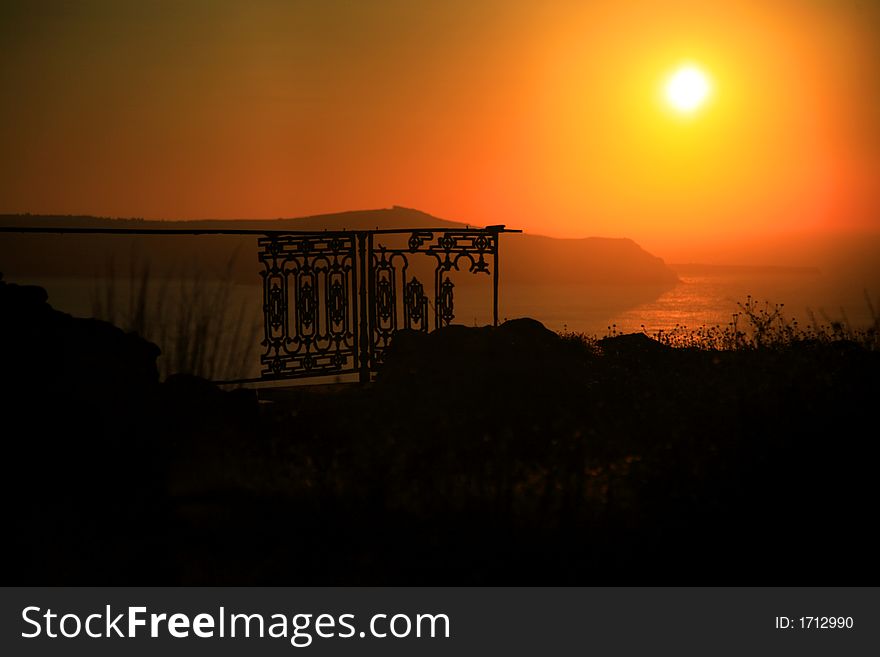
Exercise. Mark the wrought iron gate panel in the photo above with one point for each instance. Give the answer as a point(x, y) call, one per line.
point(451, 249)
point(317, 275)
point(320, 318)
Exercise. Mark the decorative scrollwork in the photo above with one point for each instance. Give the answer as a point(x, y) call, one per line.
point(452, 246)
point(384, 298)
point(417, 239)
point(277, 307)
point(306, 302)
point(445, 303)
point(337, 303)
point(384, 291)
point(415, 306)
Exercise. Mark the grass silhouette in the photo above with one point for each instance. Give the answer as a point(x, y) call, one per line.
point(195, 319)
point(760, 325)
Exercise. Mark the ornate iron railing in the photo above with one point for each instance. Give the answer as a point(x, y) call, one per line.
point(332, 300)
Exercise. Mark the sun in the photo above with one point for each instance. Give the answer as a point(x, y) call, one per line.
point(687, 89)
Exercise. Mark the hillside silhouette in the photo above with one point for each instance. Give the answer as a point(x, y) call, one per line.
point(526, 258)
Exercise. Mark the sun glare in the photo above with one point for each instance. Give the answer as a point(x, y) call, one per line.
point(687, 89)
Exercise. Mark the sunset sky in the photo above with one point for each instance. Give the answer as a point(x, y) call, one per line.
point(547, 116)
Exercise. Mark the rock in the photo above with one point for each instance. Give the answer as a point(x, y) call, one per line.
point(52, 352)
point(633, 347)
point(527, 332)
point(461, 358)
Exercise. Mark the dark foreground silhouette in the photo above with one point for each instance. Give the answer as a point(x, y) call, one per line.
point(505, 455)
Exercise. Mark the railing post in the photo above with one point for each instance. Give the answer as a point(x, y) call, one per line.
point(495, 268)
point(364, 358)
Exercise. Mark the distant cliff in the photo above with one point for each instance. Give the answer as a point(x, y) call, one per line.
point(527, 258)
point(524, 258)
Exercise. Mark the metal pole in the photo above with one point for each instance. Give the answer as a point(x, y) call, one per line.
point(495, 282)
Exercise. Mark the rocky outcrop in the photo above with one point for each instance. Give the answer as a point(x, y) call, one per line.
point(520, 353)
point(45, 351)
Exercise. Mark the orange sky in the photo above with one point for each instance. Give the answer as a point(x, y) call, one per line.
point(542, 115)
